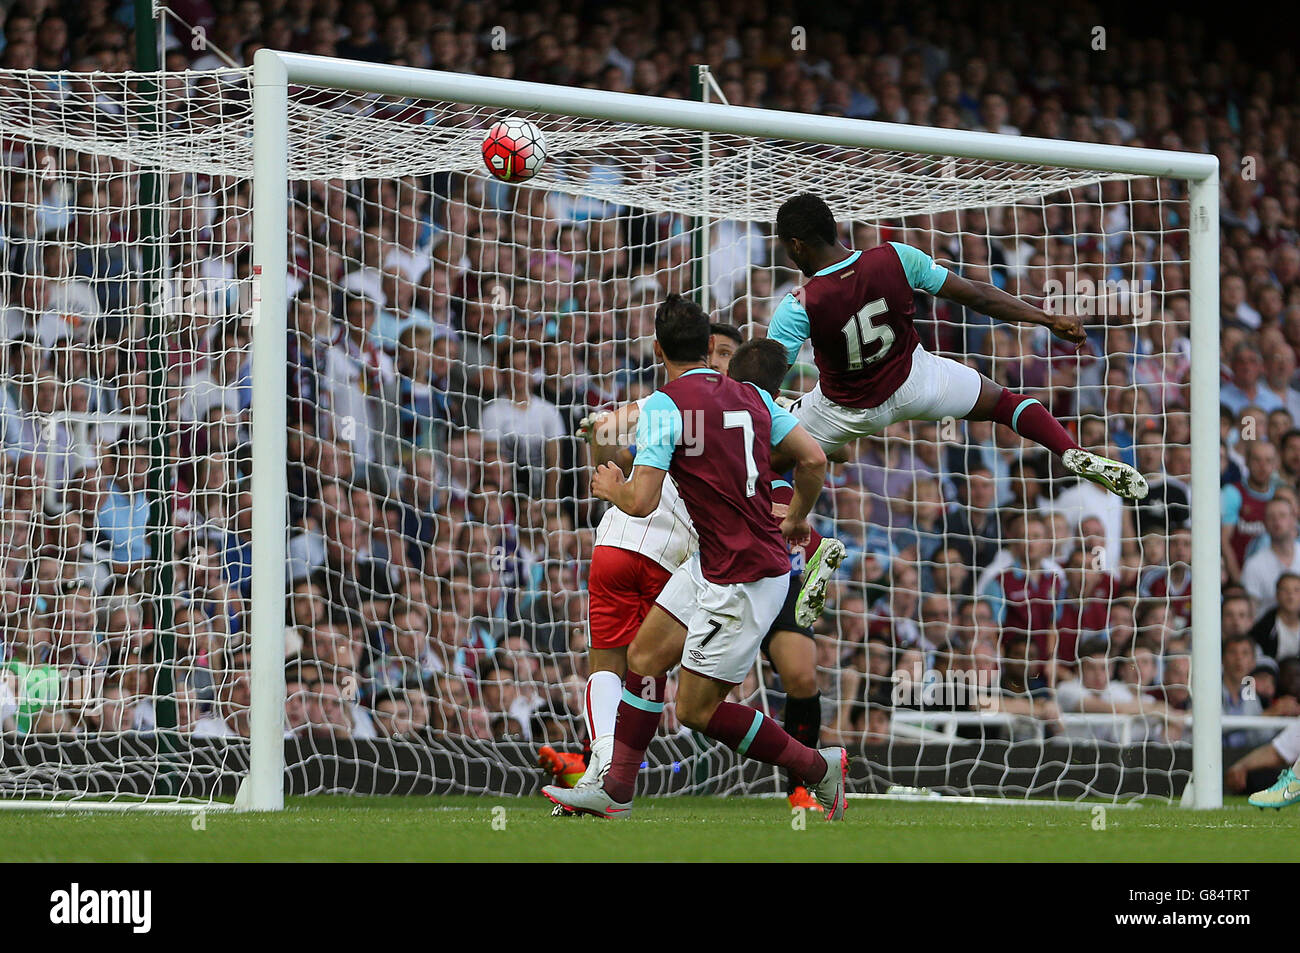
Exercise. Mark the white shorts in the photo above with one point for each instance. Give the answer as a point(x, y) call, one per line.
point(937, 387)
point(725, 624)
point(1287, 744)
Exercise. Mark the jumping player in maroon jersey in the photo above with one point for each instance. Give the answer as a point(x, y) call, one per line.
point(857, 307)
point(714, 436)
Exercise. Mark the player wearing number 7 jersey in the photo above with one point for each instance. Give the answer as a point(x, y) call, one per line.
point(714, 435)
point(857, 307)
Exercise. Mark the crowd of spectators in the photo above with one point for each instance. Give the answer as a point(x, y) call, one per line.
point(447, 333)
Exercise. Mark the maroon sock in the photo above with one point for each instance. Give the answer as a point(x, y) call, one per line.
point(753, 734)
point(1027, 417)
point(638, 719)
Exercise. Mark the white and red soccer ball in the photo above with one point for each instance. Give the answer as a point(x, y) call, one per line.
point(514, 150)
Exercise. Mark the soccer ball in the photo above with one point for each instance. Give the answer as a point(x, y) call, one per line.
point(514, 149)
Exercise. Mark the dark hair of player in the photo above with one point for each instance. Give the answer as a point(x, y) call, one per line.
point(807, 218)
point(761, 361)
point(682, 330)
point(727, 331)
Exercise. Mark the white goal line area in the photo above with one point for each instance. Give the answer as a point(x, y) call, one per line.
point(156, 806)
point(306, 195)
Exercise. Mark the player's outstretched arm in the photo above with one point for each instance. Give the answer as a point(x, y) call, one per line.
point(607, 433)
point(809, 477)
point(789, 326)
point(637, 496)
point(658, 432)
point(988, 299)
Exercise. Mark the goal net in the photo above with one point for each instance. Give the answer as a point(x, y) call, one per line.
point(445, 334)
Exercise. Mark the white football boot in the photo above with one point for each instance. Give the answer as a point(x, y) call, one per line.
point(812, 597)
point(588, 799)
point(829, 791)
point(602, 751)
point(1119, 478)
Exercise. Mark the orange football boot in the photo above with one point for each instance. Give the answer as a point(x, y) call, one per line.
point(800, 797)
point(567, 768)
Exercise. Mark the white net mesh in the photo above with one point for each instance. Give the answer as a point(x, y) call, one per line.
point(447, 332)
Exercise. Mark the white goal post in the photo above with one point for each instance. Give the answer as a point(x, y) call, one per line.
point(274, 73)
point(425, 341)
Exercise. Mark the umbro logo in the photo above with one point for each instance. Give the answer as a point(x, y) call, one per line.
point(696, 655)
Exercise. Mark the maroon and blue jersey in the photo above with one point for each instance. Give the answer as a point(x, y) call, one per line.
point(1026, 604)
point(714, 437)
point(858, 315)
point(1090, 612)
point(1156, 585)
point(1243, 509)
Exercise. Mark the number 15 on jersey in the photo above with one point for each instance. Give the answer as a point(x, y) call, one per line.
point(860, 334)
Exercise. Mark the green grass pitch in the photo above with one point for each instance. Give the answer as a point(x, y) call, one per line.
point(669, 829)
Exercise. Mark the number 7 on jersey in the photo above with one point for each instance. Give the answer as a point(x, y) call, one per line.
point(731, 420)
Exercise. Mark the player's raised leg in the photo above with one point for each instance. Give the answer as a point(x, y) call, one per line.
point(940, 387)
point(819, 568)
point(1029, 418)
point(723, 637)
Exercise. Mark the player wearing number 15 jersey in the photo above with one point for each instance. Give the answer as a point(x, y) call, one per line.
point(857, 307)
point(714, 436)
